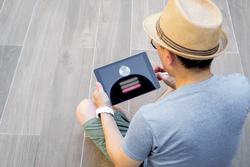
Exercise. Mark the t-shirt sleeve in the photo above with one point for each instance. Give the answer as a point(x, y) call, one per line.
point(246, 89)
point(138, 142)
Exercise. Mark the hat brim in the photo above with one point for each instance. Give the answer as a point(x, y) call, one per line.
point(149, 25)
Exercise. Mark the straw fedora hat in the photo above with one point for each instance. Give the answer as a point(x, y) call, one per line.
point(189, 28)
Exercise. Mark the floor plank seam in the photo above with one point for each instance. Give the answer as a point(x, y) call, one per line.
point(30, 21)
point(17, 134)
point(77, 47)
point(52, 80)
point(2, 6)
point(235, 37)
point(144, 50)
point(9, 27)
point(93, 60)
point(91, 73)
point(232, 26)
point(83, 140)
point(131, 30)
point(60, 42)
point(131, 27)
point(20, 56)
point(11, 45)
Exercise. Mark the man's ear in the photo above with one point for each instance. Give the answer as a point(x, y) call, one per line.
point(170, 57)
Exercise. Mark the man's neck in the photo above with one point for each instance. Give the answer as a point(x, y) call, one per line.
point(187, 77)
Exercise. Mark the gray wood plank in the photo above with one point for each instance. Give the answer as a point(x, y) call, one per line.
point(150, 97)
point(1, 4)
point(62, 134)
point(28, 97)
point(166, 2)
point(81, 23)
point(227, 25)
point(92, 156)
point(141, 10)
point(17, 150)
point(6, 17)
point(241, 21)
point(14, 20)
point(8, 62)
point(227, 63)
point(241, 159)
point(113, 38)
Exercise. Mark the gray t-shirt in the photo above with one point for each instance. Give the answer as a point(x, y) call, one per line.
point(196, 125)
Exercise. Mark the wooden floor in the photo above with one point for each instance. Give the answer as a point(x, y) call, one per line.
point(48, 50)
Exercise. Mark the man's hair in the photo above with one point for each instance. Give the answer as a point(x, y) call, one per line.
point(195, 65)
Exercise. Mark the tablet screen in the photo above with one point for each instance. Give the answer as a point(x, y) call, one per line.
point(127, 78)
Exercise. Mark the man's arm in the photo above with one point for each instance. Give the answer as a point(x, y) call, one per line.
point(112, 134)
point(167, 79)
point(114, 139)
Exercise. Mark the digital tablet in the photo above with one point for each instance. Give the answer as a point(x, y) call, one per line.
point(127, 78)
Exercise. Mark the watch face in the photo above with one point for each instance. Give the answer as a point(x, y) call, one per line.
point(127, 78)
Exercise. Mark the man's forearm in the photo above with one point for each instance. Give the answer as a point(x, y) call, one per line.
point(112, 134)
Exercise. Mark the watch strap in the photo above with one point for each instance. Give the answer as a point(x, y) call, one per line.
point(104, 110)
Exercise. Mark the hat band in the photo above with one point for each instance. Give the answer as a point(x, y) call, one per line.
point(182, 49)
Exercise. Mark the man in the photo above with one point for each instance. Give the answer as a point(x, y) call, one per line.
point(196, 123)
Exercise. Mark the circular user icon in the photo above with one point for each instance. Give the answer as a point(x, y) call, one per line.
point(124, 71)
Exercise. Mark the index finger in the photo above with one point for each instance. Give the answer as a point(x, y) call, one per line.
point(159, 68)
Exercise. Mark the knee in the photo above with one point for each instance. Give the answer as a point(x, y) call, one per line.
point(85, 110)
point(83, 106)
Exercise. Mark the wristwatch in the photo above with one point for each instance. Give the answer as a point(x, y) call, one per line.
point(104, 110)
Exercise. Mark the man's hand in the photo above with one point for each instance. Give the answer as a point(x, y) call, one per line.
point(170, 81)
point(159, 68)
point(101, 98)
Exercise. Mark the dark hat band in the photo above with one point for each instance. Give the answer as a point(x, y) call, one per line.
point(182, 49)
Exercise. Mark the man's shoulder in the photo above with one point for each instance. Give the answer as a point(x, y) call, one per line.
point(237, 78)
point(238, 82)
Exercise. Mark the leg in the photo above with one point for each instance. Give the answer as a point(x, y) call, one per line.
point(128, 114)
point(86, 111)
